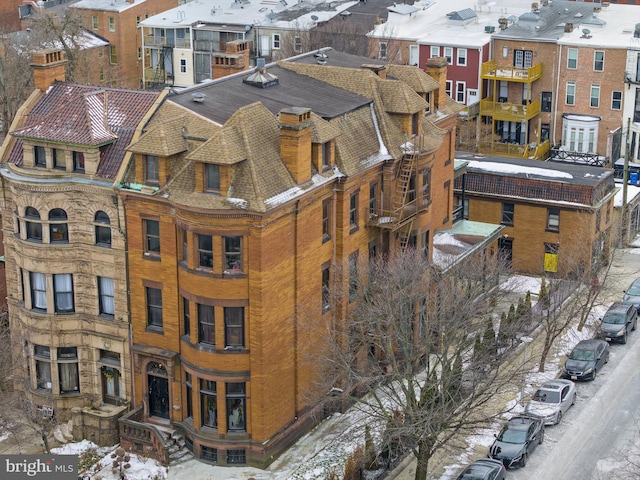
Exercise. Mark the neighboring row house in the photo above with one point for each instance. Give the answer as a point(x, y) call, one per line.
point(64, 240)
point(117, 21)
point(198, 41)
point(557, 217)
point(552, 80)
point(179, 251)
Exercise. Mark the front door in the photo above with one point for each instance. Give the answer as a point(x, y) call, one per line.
point(158, 397)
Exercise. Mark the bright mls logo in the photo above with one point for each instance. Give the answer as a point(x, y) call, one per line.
point(52, 467)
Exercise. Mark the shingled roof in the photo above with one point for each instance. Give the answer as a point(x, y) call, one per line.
point(83, 115)
point(163, 140)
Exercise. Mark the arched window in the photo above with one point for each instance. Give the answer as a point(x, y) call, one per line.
point(34, 227)
point(103, 231)
point(58, 226)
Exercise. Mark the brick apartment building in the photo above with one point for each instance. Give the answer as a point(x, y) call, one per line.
point(557, 217)
point(65, 246)
point(239, 219)
point(117, 22)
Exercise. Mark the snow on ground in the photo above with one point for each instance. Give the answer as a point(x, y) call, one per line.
point(522, 284)
point(325, 449)
point(135, 468)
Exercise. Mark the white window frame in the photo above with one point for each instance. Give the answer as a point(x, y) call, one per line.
point(448, 87)
point(596, 61)
point(275, 41)
point(461, 57)
point(572, 58)
point(615, 101)
point(594, 96)
point(448, 54)
point(183, 65)
point(434, 51)
point(461, 92)
point(414, 55)
point(580, 134)
point(297, 44)
point(570, 86)
point(112, 24)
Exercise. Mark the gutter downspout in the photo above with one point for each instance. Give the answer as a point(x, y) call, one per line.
point(555, 108)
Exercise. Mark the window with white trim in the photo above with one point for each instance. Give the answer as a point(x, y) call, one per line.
point(594, 101)
point(461, 58)
point(183, 65)
point(448, 54)
point(580, 133)
point(460, 91)
point(63, 292)
point(598, 61)
point(616, 100)
point(448, 86)
point(570, 98)
point(572, 58)
point(434, 51)
point(275, 41)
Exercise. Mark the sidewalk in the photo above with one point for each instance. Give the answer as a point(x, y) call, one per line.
point(617, 281)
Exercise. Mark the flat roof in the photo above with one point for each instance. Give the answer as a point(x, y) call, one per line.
point(293, 14)
point(223, 97)
point(534, 169)
point(430, 24)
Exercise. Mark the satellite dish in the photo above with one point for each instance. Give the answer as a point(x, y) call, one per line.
point(314, 18)
point(586, 31)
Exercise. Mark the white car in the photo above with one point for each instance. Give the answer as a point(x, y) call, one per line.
point(552, 400)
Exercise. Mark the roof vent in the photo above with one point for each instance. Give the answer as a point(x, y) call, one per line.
point(489, 29)
point(261, 78)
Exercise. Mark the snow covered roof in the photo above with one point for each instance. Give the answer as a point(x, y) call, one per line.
point(433, 22)
point(247, 13)
point(107, 5)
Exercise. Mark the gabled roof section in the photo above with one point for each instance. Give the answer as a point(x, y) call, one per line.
point(417, 79)
point(398, 97)
point(163, 140)
point(82, 121)
point(116, 113)
point(225, 147)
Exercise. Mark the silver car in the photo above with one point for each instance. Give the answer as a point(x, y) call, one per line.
point(552, 400)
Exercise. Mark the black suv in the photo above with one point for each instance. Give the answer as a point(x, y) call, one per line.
point(620, 319)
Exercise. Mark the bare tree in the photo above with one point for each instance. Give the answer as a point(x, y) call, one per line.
point(563, 298)
point(406, 354)
point(20, 417)
point(16, 81)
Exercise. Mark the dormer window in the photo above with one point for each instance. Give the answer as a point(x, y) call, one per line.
point(59, 159)
point(39, 157)
point(211, 178)
point(151, 170)
point(326, 155)
point(78, 162)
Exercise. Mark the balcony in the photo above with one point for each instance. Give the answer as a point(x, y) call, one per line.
point(157, 41)
point(152, 75)
point(509, 112)
point(491, 71)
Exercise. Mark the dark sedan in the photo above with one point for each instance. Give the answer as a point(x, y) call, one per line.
point(632, 294)
point(483, 469)
point(517, 439)
point(586, 359)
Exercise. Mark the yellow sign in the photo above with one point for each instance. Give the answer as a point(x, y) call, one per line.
point(550, 262)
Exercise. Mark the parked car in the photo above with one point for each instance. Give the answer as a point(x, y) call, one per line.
point(517, 439)
point(552, 400)
point(620, 319)
point(586, 358)
point(483, 469)
point(632, 294)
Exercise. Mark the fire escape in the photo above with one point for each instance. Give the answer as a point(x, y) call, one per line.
point(404, 202)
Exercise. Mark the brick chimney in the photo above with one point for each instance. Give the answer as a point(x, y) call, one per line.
point(295, 142)
point(48, 66)
point(437, 69)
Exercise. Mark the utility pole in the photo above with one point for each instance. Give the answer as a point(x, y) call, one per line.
point(625, 181)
